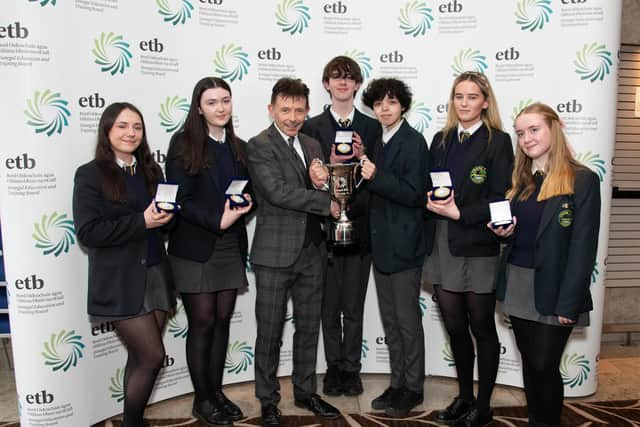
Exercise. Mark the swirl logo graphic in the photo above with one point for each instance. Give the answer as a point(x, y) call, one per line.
point(289, 316)
point(176, 105)
point(419, 116)
point(239, 357)
point(574, 369)
point(415, 18)
point(447, 355)
point(177, 325)
point(178, 17)
point(43, 3)
point(47, 112)
point(292, 16)
point(532, 15)
point(231, 62)
point(365, 349)
point(112, 53)
point(422, 302)
point(519, 107)
point(593, 62)
point(469, 60)
point(594, 161)
point(364, 62)
point(117, 385)
point(62, 351)
point(595, 273)
point(54, 234)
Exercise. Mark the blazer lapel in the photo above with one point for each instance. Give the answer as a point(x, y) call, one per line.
point(284, 150)
point(478, 143)
point(211, 170)
point(550, 209)
point(396, 143)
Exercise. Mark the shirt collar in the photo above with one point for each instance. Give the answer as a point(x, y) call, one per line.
point(285, 137)
point(122, 164)
point(387, 133)
point(471, 129)
point(337, 117)
point(224, 137)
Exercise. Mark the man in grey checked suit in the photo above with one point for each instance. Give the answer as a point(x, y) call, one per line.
point(288, 252)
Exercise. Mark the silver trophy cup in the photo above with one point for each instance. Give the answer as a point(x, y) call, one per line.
point(342, 179)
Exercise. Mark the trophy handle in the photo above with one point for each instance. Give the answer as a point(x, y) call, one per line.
point(355, 173)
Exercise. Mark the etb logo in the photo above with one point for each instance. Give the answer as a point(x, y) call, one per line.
point(509, 54)
point(91, 101)
point(39, 398)
point(572, 106)
point(14, 31)
point(335, 8)
point(270, 54)
point(29, 283)
point(153, 45)
point(22, 161)
point(393, 57)
point(450, 7)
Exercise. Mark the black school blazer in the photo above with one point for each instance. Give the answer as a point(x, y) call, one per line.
point(566, 248)
point(197, 225)
point(115, 236)
point(469, 236)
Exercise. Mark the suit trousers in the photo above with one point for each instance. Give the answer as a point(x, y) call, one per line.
point(398, 301)
point(304, 279)
point(345, 290)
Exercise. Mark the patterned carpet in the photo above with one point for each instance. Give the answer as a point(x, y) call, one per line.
point(583, 414)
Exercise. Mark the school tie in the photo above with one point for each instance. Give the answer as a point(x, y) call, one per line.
point(129, 170)
point(344, 123)
point(464, 135)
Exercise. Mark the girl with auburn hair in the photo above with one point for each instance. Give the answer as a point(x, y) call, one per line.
point(129, 277)
point(479, 157)
point(208, 245)
point(545, 269)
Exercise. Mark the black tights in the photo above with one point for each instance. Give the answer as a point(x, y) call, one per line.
point(209, 316)
point(541, 347)
point(142, 336)
point(461, 311)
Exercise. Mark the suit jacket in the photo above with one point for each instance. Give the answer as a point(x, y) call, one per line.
point(397, 200)
point(201, 197)
point(566, 248)
point(323, 128)
point(283, 199)
point(469, 235)
point(116, 238)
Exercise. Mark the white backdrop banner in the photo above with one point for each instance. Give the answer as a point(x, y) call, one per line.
point(63, 61)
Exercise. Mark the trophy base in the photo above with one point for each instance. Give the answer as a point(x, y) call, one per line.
point(341, 234)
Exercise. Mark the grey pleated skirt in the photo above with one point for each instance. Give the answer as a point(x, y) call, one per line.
point(519, 298)
point(158, 294)
point(457, 274)
point(223, 270)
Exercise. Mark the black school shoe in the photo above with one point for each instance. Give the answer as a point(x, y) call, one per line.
point(384, 400)
point(332, 385)
point(403, 402)
point(230, 408)
point(474, 418)
point(210, 414)
point(455, 411)
point(351, 383)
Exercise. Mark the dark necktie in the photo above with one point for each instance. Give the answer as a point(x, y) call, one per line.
point(344, 123)
point(464, 135)
point(129, 170)
point(290, 141)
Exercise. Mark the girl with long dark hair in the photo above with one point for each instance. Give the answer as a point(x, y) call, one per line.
point(208, 245)
point(130, 282)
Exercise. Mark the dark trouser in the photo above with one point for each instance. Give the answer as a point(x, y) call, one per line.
point(541, 347)
point(345, 290)
point(398, 300)
point(304, 279)
point(460, 312)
